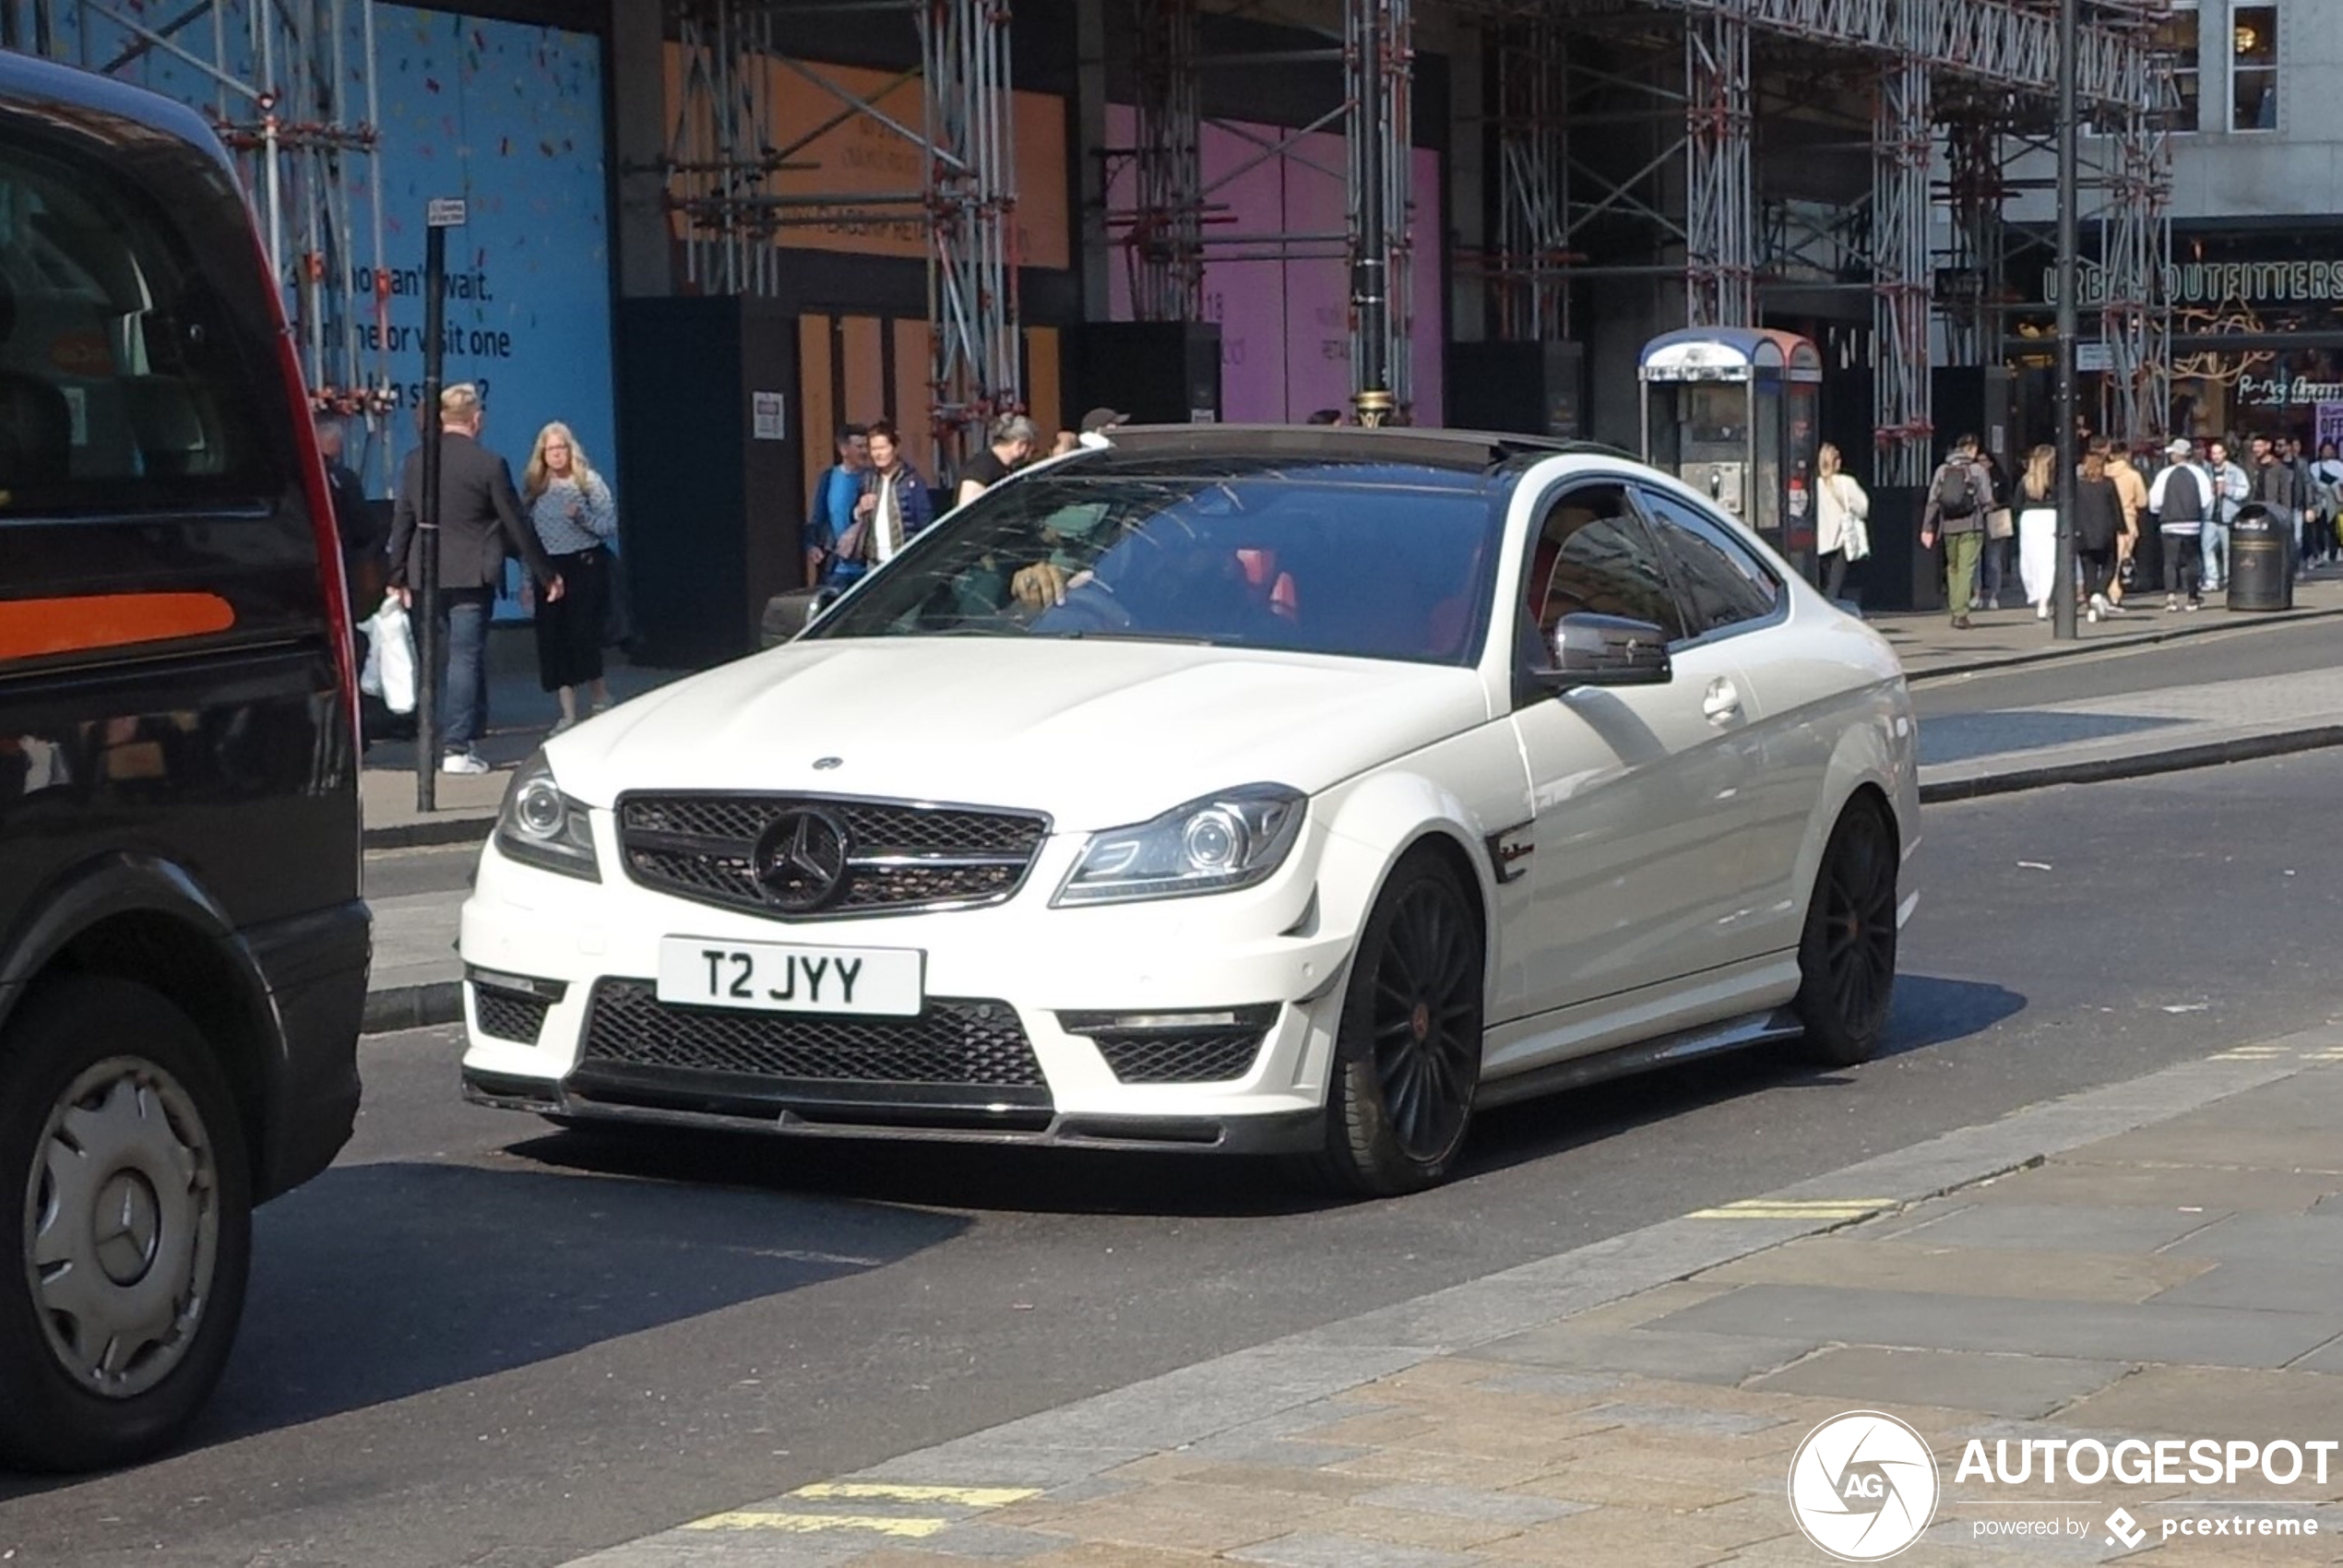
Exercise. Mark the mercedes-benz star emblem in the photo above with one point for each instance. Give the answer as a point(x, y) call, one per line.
point(800, 859)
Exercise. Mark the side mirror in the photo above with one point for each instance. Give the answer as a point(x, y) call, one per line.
point(1608, 650)
point(823, 598)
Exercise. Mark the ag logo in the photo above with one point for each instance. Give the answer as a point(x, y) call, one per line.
point(1863, 1486)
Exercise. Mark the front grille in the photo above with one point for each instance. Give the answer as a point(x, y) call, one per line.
point(505, 1015)
point(960, 1043)
point(900, 856)
point(1187, 1056)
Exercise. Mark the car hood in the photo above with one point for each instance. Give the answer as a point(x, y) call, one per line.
point(1096, 733)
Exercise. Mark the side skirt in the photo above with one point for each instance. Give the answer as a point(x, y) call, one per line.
point(1667, 1050)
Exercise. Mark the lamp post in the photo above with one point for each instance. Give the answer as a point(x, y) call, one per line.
point(2063, 575)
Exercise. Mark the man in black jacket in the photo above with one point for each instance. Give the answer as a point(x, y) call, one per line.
point(479, 516)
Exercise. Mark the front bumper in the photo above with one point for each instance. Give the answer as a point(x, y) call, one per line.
point(559, 971)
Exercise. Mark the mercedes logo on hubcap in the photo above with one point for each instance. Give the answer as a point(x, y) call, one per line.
point(800, 859)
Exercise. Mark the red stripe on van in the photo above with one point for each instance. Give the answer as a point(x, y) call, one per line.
point(85, 622)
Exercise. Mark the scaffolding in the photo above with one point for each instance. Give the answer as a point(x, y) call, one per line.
point(1681, 195)
point(727, 192)
point(289, 85)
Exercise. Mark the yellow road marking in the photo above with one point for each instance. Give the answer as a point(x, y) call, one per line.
point(816, 1523)
point(1795, 1209)
point(967, 1496)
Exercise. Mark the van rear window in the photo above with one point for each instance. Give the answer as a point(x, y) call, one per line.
point(123, 382)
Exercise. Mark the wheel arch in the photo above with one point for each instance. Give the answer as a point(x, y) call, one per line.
point(1864, 765)
point(1399, 815)
point(150, 921)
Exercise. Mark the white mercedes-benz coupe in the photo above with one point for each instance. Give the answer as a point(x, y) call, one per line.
point(1249, 790)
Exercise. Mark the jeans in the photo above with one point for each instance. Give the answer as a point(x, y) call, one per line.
point(2183, 564)
point(2215, 544)
point(463, 665)
point(1833, 564)
point(1961, 551)
point(1992, 568)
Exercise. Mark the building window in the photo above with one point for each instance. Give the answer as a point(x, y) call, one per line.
point(2178, 36)
point(2254, 67)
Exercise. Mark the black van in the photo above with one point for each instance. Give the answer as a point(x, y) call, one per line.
point(183, 946)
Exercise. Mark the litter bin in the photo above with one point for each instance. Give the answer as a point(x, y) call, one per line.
point(2261, 560)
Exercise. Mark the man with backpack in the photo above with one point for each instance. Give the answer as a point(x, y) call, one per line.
point(1958, 498)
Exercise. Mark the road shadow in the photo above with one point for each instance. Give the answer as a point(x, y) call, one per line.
point(1928, 1011)
point(984, 1178)
point(377, 1282)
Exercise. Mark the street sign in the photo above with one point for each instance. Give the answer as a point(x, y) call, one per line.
point(444, 212)
point(2094, 357)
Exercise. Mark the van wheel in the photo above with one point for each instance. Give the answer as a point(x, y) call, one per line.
point(1407, 1060)
point(1846, 955)
point(126, 1225)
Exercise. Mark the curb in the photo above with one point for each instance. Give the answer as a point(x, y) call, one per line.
point(411, 1007)
point(2142, 638)
point(431, 833)
point(2104, 770)
point(1221, 1404)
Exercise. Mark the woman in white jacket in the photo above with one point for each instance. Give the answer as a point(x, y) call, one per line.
point(2038, 530)
point(1842, 535)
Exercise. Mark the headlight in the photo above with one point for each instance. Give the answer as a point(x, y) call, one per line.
point(1232, 839)
point(539, 826)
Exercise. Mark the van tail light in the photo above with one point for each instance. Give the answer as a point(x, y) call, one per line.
point(321, 506)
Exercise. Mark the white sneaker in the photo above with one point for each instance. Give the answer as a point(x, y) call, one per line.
point(462, 762)
point(2091, 614)
point(2042, 611)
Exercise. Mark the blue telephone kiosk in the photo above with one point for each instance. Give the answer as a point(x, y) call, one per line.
point(1733, 411)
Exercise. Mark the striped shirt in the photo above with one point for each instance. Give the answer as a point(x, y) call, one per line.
point(559, 533)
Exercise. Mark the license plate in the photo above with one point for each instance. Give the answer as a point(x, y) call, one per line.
point(768, 977)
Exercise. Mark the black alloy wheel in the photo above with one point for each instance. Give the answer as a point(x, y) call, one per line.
point(1408, 1057)
point(1846, 957)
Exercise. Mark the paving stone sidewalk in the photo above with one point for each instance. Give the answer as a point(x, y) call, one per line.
point(2160, 1259)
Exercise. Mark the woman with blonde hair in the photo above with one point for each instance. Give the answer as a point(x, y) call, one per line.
point(576, 518)
point(2038, 529)
point(1842, 535)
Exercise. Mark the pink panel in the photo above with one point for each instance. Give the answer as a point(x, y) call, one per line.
point(1285, 327)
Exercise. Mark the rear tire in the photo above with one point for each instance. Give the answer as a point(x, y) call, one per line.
point(1407, 1059)
point(1847, 953)
point(126, 1225)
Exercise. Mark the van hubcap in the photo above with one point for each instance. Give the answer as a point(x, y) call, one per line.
point(122, 1227)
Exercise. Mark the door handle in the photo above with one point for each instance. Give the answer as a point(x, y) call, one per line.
point(1723, 702)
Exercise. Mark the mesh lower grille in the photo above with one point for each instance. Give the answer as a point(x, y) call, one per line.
point(504, 1014)
point(901, 856)
point(1201, 1056)
point(969, 1042)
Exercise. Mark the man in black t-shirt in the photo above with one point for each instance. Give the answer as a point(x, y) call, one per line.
point(1014, 438)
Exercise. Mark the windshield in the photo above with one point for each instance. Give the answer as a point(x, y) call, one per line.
point(1369, 560)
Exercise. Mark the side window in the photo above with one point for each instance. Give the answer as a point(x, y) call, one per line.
point(1722, 580)
point(124, 383)
point(1593, 555)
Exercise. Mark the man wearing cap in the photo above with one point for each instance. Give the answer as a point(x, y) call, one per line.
point(1097, 423)
point(2182, 499)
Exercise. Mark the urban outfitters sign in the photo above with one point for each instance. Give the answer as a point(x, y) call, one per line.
point(2224, 282)
point(2266, 391)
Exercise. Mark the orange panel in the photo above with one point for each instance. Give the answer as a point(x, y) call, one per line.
point(817, 412)
point(29, 627)
point(862, 348)
point(911, 371)
point(1043, 397)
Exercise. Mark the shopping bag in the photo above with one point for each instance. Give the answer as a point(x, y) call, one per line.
point(389, 673)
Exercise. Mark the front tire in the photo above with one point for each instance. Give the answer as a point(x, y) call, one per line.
point(1407, 1060)
point(126, 1225)
point(1847, 954)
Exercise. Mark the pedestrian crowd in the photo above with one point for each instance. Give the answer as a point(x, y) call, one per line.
point(2159, 517)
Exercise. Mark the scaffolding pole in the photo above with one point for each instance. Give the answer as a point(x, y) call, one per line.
point(1903, 142)
point(1526, 269)
point(1721, 259)
point(725, 172)
point(1164, 232)
point(1378, 70)
point(291, 91)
